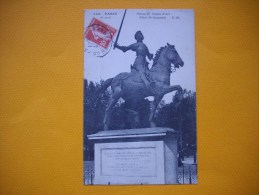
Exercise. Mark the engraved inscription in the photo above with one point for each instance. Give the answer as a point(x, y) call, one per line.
point(128, 162)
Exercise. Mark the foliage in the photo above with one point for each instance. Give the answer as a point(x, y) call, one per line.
point(180, 115)
point(94, 108)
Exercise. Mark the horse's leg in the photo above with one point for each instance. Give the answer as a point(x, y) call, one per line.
point(136, 120)
point(167, 89)
point(154, 105)
point(133, 118)
point(112, 101)
point(163, 90)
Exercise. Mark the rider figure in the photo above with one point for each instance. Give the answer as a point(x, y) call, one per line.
point(140, 63)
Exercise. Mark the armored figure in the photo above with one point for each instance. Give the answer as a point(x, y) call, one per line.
point(140, 63)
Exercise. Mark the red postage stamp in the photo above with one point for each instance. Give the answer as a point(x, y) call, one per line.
point(100, 33)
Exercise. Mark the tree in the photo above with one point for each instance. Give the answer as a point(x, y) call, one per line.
point(94, 109)
point(180, 115)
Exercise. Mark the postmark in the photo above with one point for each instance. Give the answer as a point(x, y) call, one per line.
point(98, 38)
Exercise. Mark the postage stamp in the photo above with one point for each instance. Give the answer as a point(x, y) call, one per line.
point(99, 37)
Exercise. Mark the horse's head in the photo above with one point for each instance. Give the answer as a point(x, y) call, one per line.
point(173, 56)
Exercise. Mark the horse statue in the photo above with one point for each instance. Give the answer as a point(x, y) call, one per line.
point(129, 86)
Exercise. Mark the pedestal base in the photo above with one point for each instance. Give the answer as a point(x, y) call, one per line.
point(135, 156)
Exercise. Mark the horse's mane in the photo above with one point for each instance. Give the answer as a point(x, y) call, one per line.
point(157, 55)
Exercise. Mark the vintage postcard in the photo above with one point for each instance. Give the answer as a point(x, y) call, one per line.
point(139, 97)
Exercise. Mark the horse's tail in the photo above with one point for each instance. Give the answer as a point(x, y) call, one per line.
point(104, 86)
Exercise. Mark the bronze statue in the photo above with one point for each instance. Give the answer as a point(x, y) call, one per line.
point(140, 64)
point(131, 87)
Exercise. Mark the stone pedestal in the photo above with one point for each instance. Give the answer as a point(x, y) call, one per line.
point(135, 156)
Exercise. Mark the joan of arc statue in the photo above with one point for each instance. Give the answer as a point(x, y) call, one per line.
point(140, 63)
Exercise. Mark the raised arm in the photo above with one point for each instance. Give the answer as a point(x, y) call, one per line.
point(125, 48)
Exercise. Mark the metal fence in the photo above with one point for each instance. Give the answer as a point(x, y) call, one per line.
point(89, 172)
point(187, 174)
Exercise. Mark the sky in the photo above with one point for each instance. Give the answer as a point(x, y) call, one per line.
point(159, 27)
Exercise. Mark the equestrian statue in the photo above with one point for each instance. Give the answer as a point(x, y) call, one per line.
point(142, 82)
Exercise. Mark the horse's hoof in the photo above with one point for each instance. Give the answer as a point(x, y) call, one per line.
point(152, 124)
point(105, 128)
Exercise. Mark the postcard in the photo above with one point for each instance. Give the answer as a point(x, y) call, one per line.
point(139, 97)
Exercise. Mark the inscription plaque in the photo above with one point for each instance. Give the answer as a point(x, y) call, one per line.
point(129, 162)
